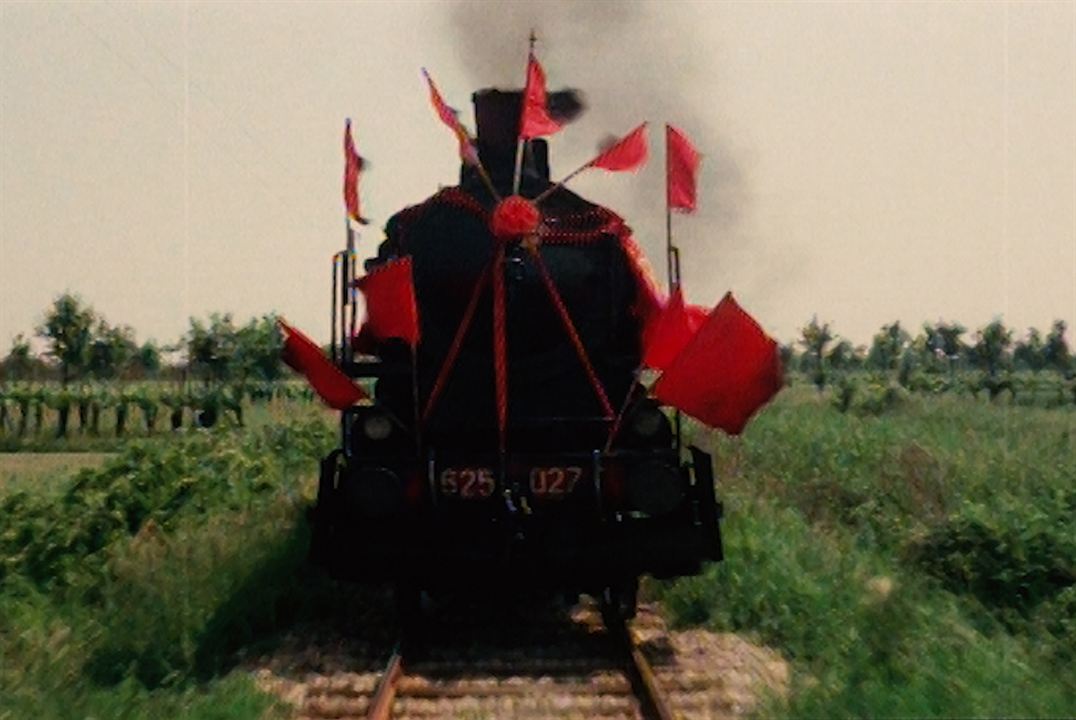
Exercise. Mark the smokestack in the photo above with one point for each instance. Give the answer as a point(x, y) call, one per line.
point(497, 119)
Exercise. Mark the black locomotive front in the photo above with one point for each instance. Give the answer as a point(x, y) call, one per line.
point(426, 490)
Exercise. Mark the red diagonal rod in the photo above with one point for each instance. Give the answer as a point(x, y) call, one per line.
point(573, 335)
point(457, 342)
point(500, 342)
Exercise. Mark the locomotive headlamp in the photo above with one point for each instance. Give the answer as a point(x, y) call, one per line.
point(647, 426)
point(377, 426)
point(654, 487)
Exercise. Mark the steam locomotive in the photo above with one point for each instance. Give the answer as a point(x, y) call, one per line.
point(567, 475)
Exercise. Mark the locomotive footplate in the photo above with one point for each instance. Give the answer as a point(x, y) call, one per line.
point(567, 518)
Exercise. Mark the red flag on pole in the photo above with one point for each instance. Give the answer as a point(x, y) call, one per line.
point(670, 331)
point(729, 370)
point(353, 165)
point(628, 153)
point(391, 310)
point(450, 117)
point(304, 357)
point(681, 168)
point(534, 119)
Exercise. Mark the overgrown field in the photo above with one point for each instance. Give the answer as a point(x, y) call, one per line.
point(914, 560)
point(918, 562)
point(125, 591)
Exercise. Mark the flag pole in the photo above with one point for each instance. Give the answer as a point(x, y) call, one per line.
point(553, 188)
point(521, 141)
point(518, 173)
point(332, 310)
point(672, 254)
point(672, 259)
point(349, 290)
point(486, 179)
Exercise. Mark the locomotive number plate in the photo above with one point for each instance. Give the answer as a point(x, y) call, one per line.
point(467, 483)
point(555, 482)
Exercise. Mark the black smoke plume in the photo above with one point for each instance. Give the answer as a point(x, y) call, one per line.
point(636, 61)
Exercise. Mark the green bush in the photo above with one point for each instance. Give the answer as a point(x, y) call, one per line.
point(127, 594)
point(867, 639)
point(1014, 560)
point(917, 564)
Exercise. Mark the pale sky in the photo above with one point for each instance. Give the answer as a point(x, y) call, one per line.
point(865, 162)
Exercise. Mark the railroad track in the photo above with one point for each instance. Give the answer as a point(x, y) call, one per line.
point(489, 665)
point(636, 694)
point(523, 666)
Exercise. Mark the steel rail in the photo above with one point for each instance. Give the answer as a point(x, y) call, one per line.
point(385, 694)
point(644, 682)
point(641, 679)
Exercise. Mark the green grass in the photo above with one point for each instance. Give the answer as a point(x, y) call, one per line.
point(916, 563)
point(128, 593)
point(44, 472)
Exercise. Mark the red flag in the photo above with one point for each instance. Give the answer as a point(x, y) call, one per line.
point(667, 334)
point(681, 170)
point(450, 117)
point(729, 370)
point(352, 167)
point(534, 120)
point(391, 311)
point(628, 153)
point(302, 355)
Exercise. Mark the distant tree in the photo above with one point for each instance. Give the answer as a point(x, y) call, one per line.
point(68, 328)
point(814, 338)
point(927, 357)
point(990, 351)
point(843, 357)
point(19, 361)
point(944, 344)
point(111, 349)
point(1055, 351)
point(911, 361)
point(887, 347)
point(257, 349)
point(949, 335)
point(211, 348)
point(148, 358)
point(1028, 354)
point(788, 355)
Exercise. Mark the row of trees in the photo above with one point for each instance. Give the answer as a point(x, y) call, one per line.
point(937, 348)
point(81, 345)
point(106, 409)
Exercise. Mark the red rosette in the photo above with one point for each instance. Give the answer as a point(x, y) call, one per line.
point(514, 217)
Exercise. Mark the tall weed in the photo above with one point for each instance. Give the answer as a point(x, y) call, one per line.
point(128, 595)
point(916, 564)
